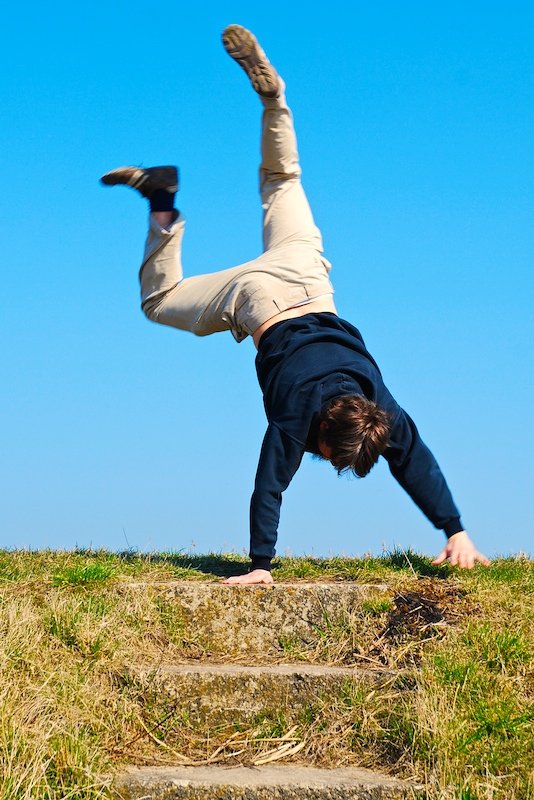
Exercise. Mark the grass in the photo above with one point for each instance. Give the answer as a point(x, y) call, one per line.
point(83, 567)
point(460, 719)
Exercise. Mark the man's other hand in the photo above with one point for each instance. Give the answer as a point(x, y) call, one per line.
point(461, 552)
point(256, 576)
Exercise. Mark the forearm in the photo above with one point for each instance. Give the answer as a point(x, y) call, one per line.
point(264, 518)
point(414, 467)
point(430, 493)
point(280, 458)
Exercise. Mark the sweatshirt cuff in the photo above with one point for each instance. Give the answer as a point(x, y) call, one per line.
point(453, 526)
point(260, 562)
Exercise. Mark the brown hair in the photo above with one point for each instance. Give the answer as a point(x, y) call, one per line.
point(356, 430)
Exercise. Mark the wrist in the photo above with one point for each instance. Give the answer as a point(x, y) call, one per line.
point(260, 562)
point(452, 527)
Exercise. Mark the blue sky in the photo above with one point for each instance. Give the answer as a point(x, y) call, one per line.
point(415, 126)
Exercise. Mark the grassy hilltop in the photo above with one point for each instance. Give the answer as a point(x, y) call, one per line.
point(459, 718)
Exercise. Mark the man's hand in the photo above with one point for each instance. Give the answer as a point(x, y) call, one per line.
point(461, 552)
point(256, 576)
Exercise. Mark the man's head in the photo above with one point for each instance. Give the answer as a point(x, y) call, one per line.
point(353, 431)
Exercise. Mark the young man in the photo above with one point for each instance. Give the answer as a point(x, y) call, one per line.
point(323, 392)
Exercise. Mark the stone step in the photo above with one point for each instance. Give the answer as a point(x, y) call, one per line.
point(254, 619)
point(228, 693)
point(288, 782)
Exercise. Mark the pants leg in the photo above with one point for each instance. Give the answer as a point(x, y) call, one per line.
point(287, 216)
point(202, 304)
point(241, 298)
point(168, 298)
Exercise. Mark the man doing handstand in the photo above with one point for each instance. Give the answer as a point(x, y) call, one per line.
point(323, 392)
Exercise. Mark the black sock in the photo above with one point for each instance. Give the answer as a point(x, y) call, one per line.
point(161, 200)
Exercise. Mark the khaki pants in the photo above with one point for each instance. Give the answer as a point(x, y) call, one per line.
point(291, 271)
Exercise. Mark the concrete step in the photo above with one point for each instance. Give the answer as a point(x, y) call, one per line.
point(289, 782)
point(254, 619)
point(230, 693)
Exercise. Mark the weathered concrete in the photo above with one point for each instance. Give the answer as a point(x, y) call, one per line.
point(213, 694)
point(255, 619)
point(258, 783)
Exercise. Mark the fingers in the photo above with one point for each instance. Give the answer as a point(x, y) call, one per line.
point(251, 578)
point(463, 558)
point(441, 558)
point(468, 559)
point(238, 580)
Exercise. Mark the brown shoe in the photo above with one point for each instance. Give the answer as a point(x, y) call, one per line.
point(146, 181)
point(243, 47)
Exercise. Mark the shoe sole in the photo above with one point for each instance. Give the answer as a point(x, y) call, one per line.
point(136, 177)
point(122, 175)
point(243, 47)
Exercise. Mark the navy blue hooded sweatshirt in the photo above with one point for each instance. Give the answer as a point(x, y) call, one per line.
point(302, 364)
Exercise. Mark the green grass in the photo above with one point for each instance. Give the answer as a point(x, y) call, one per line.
point(82, 567)
point(84, 575)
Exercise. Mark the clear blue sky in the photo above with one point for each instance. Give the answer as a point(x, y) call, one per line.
point(415, 123)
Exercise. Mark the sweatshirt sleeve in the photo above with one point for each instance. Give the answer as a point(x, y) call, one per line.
point(414, 467)
point(280, 458)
